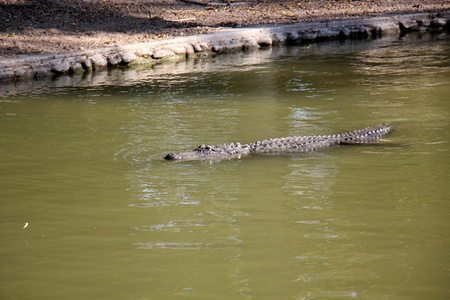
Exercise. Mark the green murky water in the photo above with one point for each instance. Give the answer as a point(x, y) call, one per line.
point(89, 210)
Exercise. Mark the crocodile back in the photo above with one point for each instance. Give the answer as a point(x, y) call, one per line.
point(365, 135)
point(319, 142)
point(295, 144)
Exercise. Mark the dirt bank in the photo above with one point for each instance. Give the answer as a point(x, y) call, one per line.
point(64, 26)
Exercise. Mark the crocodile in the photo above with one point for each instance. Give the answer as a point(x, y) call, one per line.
point(283, 145)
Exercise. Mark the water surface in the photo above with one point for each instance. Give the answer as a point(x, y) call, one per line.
point(90, 210)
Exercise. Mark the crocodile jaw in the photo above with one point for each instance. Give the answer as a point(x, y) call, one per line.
point(194, 155)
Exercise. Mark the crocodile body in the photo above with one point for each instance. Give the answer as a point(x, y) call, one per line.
point(282, 145)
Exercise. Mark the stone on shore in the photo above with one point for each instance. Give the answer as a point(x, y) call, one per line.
point(265, 41)
point(86, 63)
point(200, 47)
point(309, 35)
point(76, 67)
point(250, 44)
point(408, 25)
point(114, 59)
point(127, 57)
point(98, 61)
point(61, 68)
point(162, 53)
point(293, 37)
point(438, 23)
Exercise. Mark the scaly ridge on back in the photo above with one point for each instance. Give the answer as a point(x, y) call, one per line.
point(283, 145)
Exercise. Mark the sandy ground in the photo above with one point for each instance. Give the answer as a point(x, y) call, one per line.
point(62, 26)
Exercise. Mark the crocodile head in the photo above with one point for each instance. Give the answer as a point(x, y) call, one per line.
point(206, 152)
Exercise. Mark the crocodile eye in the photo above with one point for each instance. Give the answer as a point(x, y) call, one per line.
point(201, 148)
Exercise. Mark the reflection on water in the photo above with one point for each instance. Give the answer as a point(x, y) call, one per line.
point(81, 164)
point(385, 67)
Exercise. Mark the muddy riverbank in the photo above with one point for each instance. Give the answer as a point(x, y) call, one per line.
point(36, 42)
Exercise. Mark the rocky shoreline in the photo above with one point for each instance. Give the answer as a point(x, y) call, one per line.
point(221, 41)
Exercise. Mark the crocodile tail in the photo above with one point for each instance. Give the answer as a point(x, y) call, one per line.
point(365, 135)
